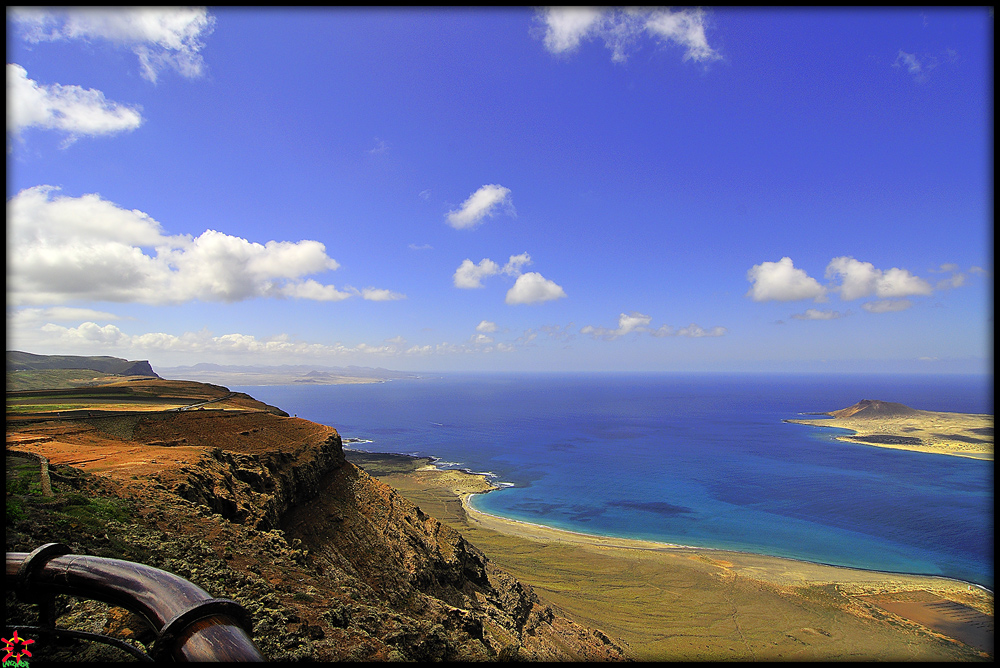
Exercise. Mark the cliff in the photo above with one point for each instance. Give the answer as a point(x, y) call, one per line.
point(331, 563)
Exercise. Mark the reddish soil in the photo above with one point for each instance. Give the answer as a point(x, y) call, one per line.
point(163, 441)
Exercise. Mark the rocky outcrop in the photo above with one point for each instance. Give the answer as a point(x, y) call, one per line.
point(141, 368)
point(257, 489)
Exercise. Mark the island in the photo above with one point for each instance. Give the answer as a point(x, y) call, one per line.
point(886, 424)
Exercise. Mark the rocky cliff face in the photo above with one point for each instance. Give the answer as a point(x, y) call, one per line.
point(438, 596)
point(422, 567)
point(255, 490)
point(332, 564)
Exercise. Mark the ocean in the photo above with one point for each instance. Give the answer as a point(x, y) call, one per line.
point(693, 459)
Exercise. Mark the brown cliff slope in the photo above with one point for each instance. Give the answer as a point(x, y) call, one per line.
point(263, 508)
point(424, 568)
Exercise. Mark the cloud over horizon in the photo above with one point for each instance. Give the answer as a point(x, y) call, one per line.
point(862, 279)
point(639, 323)
point(818, 314)
point(90, 338)
point(75, 248)
point(850, 278)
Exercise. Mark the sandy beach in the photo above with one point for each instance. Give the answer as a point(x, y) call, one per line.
point(682, 603)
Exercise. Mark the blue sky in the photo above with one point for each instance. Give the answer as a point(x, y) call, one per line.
point(516, 189)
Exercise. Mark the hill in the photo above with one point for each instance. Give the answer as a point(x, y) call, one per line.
point(874, 408)
point(27, 371)
point(21, 361)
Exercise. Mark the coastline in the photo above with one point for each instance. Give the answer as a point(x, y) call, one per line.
point(634, 589)
point(541, 532)
point(717, 604)
point(465, 484)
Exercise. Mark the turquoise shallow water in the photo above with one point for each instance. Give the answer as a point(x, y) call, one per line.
point(699, 460)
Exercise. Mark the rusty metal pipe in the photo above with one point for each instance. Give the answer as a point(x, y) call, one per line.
point(190, 625)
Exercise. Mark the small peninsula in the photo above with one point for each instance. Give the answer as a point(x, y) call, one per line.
point(886, 424)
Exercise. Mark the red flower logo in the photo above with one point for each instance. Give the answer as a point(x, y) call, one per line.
point(11, 645)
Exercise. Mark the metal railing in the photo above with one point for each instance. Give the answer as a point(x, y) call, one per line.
point(189, 624)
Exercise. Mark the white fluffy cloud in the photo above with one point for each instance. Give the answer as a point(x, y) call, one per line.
point(486, 327)
point(469, 275)
point(514, 264)
point(482, 203)
point(639, 323)
point(901, 283)
point(32, 318)
point(862, 279)
point(851, 278)
point(86, 247)
point(529, 288)
point(90, 338)
point(160, 36)
point(627, 322)
point(71, 109)
point(312, 290)
point(533, 288)
point(684, 27)
point(818, 314)
point(857, 279)
point(567, 27)
point(781, 281)
point(380, 295)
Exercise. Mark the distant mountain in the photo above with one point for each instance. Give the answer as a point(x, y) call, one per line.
point(284, 374)
point(874, 408)
point(298, 369)
point(21, 361)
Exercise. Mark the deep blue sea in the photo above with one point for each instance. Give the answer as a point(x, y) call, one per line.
point(702, 460)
